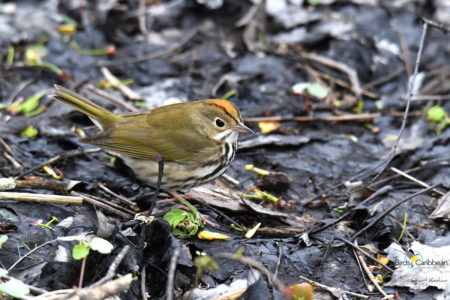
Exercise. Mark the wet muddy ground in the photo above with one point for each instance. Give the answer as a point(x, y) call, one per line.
point(325, 87)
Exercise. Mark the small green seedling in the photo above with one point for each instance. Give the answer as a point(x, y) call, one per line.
point(438, 118)
point(183, 223)
point(82, 249)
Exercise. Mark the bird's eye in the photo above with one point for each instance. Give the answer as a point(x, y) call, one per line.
point(219, 123)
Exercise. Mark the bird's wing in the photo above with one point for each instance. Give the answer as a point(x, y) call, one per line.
point(135, 137)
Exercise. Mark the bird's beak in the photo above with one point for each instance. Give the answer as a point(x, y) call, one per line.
point(242, 128)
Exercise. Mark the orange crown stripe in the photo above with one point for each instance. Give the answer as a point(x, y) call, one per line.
point(226, 105)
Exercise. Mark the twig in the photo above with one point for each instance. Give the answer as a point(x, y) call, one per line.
point(171, 275)
point(420, 182)
point(408, 103)
point(356, 247)
point(428, 164)
point(370, 275)
point(403, 45)
point(143, 289)
point(351, 73)
point(142, 18)
point(435, 24)
point(9, 154)
point(105, 290)
point(56, 158)
point(115, 100)
point(379, 192)
point(343, 118)
point(29, 253)
point(113, 267)
point(231, 179)
point(109, 288)
point(255, 264)
point(374, 221)
point(129, 93)
point(43, 198)
point(103, 205)
point(345, 85)
point(335, 291)
point(430, 97)
point(384, 79)
point(121, 198)
point(51, 185)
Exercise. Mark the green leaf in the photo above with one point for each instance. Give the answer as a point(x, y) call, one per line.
point(183, 223)
point(175, 216)
point(15, 288)
point(101, 245)
point(314, 2)
point(436, 113)
point(31, 103)
point(80, 251)
point(317, 91)
point(442, 125)
point(30, 131)
point(3, 239)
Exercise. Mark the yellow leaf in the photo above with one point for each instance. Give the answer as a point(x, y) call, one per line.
point(209, 235)
point(383, 259)
point(268, 126)
point(52, 173)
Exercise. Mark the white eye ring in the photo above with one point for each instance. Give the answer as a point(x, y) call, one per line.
point(219, 123)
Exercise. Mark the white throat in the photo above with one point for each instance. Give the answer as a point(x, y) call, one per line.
point(229, 136)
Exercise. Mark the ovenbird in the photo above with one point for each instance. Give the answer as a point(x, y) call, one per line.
point(196, 140)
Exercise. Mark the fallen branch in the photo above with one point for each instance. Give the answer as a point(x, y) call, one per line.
point(43, 198)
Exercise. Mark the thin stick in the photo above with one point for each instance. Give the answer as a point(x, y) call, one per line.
point(51, 185)
point(121, 198)
point(370, 275)
point(374, 221)
point(103, 205)
point(29, 253)
point(113, 267)
point(435, 24)
point(343, 118)
point(408, 103)
point(364, 253)
point(43, 198)
point(420, 182)
point(171, 275)
point(143, 289)
point(129, 93)
point(332, 289)
point(83, 266)
point(115, 100)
